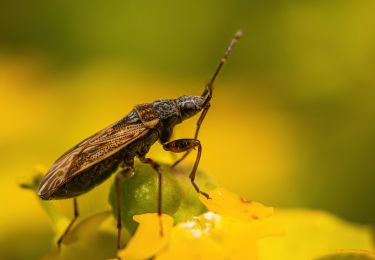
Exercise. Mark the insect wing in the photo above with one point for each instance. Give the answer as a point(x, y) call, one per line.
point(90, 151)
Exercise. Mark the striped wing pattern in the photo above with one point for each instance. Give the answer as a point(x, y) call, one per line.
point(90, 151)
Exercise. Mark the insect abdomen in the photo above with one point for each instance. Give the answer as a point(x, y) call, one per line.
point(88, 179)
point(99, 172)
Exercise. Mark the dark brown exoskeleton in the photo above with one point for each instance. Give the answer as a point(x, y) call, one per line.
point(93, 160)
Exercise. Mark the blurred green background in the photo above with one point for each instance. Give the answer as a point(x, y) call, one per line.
point(292, 122)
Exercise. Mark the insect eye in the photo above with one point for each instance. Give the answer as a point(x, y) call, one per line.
point(189, 106)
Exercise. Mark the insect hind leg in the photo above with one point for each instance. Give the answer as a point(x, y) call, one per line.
point(76, 214)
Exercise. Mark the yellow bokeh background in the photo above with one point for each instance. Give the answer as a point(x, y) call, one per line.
point(292, 119)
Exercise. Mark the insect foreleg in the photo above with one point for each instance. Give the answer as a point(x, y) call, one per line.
point(186, 145)
point(157, 168)
point(125, 172)
point(76, 214)
point(199, 123)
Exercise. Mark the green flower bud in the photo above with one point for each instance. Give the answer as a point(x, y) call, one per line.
point(139, 194)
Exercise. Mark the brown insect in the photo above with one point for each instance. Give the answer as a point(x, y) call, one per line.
point(92, 161)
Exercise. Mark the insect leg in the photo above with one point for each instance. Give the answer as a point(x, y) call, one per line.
point(199, 123)
point(76, 214)
point(185, 145)
point(157, 168)
point(118, 179)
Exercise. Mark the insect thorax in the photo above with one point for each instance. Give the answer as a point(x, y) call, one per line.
point(160, 110)
point(166, 108)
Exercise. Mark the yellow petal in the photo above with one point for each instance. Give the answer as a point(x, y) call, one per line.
point(147, 240)
point(233, 206)
point(192, 240)
point(311, 233)
point(183, 246)
point(240, 238)
point(212, 236)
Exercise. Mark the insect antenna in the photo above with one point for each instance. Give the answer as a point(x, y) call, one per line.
point(209, 87)
point(207, 93)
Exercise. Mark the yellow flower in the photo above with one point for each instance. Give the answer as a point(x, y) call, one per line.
point(147, 240)
point(233, 206)
point(231, 232)
point(224, 227)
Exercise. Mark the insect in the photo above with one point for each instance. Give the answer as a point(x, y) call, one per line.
point(96, 158)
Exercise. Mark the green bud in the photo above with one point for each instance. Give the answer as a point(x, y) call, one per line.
point(139, 194)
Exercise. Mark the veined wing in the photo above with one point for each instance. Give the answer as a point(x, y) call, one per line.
point(90, 151)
